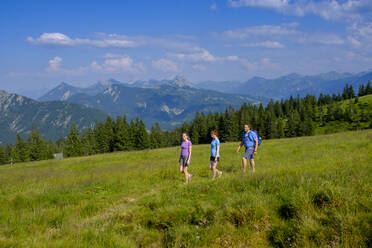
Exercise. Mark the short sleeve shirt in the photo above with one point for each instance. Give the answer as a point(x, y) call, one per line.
point(185, 148)
point(215, 142)
point(249, 139)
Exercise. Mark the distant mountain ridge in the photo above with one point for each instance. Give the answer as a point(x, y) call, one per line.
point(18, 114)
point(291, 84)
point(64, 91)
point(169, 101)
point(170, 104)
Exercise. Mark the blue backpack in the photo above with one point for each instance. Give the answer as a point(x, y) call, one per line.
point(258, 136)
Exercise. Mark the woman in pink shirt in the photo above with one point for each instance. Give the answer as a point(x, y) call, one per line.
point(186, 148)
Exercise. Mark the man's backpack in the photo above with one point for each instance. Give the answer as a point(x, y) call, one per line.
point(258, 137)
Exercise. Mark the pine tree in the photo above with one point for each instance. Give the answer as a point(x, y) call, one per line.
point(121, 134)
point(13, 155)
point(21, 150)
point(261, 122)
point(88, 142)
point(2, 155)
point(280, 128)
point(7, 152)
point(142, 137)
point(361, 91)
point(36, 146)
point(73, 145)
point(102, 142)
point(203, 130)
point(345, 93)
point(50, 150)
point(194, 133)
point(156, 137)
point(132, 135)
point(351, 92)
point(368, 89)
point(109, 134)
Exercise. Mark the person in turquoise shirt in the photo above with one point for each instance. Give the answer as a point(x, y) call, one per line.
point(215, 154)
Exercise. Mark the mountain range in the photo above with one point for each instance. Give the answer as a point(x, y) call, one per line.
point(169, 102)
point(18, 114)
point(290, 85)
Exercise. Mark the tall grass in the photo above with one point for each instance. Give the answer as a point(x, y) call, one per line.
point(306, 192)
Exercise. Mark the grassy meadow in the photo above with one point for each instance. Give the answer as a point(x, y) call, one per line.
point(306, 192)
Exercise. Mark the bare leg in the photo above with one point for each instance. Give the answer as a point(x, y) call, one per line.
point(252, 165)
point(244, 163)
point(214, 169)
point(187, 175)
point(181, 168)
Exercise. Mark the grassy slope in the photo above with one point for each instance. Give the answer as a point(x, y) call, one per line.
point(307, 192)
point(339, 126)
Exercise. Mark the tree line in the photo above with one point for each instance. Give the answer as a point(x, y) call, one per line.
point(292, 117)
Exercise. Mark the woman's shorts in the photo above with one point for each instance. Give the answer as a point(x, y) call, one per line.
point(183, 161)
point(213, 159)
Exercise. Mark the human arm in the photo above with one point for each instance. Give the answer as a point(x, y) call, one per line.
point(190, 150)
point(255, 146)
point(217, 152)
point(240, 145)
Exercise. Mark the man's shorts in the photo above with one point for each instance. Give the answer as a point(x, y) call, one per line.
point(248, 153)
point(183, 161)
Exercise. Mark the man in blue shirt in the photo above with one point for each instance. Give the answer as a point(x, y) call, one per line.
point(250, 141)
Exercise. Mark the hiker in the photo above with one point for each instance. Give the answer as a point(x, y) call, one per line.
point(186, 148)
point(215, 154)
point(250, 141)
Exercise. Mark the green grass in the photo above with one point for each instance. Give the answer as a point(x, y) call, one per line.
point(307, 192)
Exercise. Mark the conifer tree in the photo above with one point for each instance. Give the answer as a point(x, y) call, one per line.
point(121, 134)
point(132, 135)
point(361, 91)
point(109, 134)
point(88, 142)
point(2, 155)
point(142, 137)
point(156, 136)
point(21, 150)
point(368, 89)
point(36, 146)
point(102, 141)
point(73, 146)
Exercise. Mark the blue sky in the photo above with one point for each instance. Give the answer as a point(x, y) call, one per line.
point(80, 42)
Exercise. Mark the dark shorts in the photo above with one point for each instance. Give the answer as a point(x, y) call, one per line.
point(248, 153)
point(213, 158)
point(183, 161)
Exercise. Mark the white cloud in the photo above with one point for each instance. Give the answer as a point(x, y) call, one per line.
point(327, 9)
point(262, 31)
point(199, 67)
point(200, 54)
point(214, 6)
point(266, 44)
point(64, 40)
point(232, 58)
point(320, 38)
point(276, 4)
point(118, 64)
point(165, 65)
point(360, 36)
point(55, 66)
point(103, 40)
